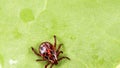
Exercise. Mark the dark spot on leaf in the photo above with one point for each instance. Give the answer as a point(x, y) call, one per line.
point(26, 15)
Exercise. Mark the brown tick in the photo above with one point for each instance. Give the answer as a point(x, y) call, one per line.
point(49, 53)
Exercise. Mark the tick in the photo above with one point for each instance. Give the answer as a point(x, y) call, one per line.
point(49, 53)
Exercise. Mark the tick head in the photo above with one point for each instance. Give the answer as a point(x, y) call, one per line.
point(53, 59)
point(55, 62)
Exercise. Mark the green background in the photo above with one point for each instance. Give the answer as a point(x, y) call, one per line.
point(89, 30)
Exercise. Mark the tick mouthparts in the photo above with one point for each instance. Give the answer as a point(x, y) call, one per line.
point(55, 62)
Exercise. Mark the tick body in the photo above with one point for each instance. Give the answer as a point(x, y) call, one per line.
point(49, 53)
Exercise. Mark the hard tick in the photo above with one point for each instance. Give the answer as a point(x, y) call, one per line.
point(49, 53)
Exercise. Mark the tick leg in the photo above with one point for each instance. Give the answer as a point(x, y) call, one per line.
point(47, 65)
point(59, 47)
point(63, 58)
point(51, 66)
point(54, 41)
point(40, 60)
point(58, 53)
point(35, 51)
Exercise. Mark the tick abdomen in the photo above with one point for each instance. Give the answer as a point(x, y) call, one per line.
point(47, 51)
